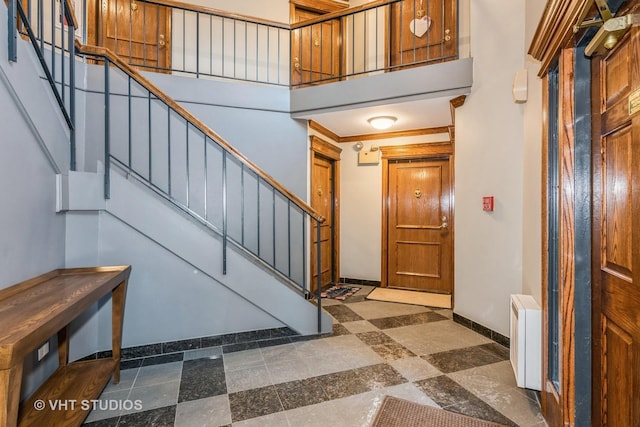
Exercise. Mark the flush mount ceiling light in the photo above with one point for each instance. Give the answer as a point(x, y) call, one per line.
point(382, 122)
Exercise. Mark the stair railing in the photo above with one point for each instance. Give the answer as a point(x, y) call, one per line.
point(56, 33)
point(157, 141)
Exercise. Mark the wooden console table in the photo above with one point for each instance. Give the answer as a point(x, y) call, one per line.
point(33, 311)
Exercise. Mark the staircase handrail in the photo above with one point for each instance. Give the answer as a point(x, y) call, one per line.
point(206, 130)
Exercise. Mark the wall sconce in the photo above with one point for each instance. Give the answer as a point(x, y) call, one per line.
point(382, 122)
point(358, 146)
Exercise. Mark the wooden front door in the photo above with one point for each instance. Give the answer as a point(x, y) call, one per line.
point(617, 237)
point(137, 32)
point(410, 45)
point(323, 201)
point(419, 244)
point(315, 49)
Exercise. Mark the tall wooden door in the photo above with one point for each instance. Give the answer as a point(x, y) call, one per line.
point(315, 49)
point(422, 31)
point(138, 32)
point(322, 200)
point(617, 238)
point(419, 245)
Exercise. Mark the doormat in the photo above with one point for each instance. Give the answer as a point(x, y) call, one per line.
point(339, 292)
point(395, 412)
point(426, 299)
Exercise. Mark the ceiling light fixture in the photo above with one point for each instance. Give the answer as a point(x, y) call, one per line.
point(382, 122)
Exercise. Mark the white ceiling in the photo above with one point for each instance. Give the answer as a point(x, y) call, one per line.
point(420, 114)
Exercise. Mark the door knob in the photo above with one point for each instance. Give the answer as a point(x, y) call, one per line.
point(162, 42)
point(444, 224)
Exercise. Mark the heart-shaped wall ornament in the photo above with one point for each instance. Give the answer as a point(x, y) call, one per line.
point(419, 27)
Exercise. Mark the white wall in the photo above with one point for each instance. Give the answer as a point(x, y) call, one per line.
point(532, 209)
point(490, 161)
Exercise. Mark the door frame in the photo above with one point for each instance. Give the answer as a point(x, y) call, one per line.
point(423, 151)
point(321, 148)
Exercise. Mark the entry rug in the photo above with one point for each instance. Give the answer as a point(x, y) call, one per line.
point(395, 412)
point(339, 292)
point(426, 299)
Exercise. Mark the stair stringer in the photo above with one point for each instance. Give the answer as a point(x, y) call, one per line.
point(142, 209)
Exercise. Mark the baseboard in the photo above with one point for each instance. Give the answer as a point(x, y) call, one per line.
point(482, 330)
point(227, 343)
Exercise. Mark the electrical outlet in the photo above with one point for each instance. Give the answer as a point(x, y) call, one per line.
point(43, 351)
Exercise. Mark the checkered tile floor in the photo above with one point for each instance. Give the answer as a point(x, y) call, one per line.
point(376, 349)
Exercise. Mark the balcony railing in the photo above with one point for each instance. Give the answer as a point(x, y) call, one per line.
point(173, 37)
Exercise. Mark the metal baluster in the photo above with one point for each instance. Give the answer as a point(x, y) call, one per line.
point(310, 55)
point(210, 45)
point(376, 33)
point(415, 39)
point(223, 45)
point(224, 212)
point(269, 55)
point(53, 41)
point(206, 179)
point(289, 236)
point(129, 123)
point(40, 23)
point(169, 149)
point(390, 29)
point(107, 133)
point(12, 32)
point(62, 19)
point(187, 152)
point(319, 271)
point(242, 202)
point(72, 95)
point(115, 49)
point(197, 44)
point(158, 67)
point(144, 36)
point(442, 31)
point(353, 43)
point(364, 47)
point(305, 279)
point(150, 128)
point(184, 41)
point(273, 217)
point(321, 48)
point(258, 211)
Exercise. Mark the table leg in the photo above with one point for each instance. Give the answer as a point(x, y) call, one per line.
point(117, 317)
point(63, 346)
point(10, 382)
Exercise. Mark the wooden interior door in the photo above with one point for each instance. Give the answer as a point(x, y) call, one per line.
point(315, 49)
point(437, 44)
point(616, 244)
point(322, 200)
point(139, 33)
point(420, 246)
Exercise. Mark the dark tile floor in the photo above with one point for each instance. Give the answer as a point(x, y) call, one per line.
point(377, 349)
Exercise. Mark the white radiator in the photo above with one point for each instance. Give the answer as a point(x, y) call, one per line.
point(526, 341)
